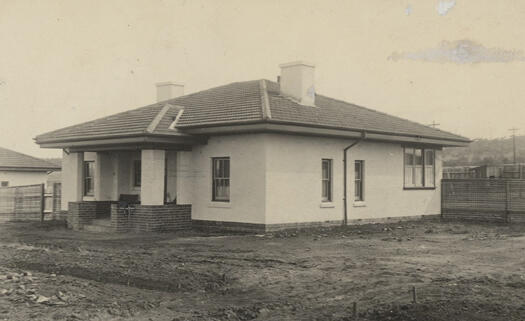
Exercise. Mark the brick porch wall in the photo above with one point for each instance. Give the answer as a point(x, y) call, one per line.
point(82, 213)
point(151, 218)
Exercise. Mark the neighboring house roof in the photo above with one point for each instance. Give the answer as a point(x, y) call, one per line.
point(11, 160)
point(248, 102)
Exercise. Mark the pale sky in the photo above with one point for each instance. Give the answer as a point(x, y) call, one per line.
point(458, 63)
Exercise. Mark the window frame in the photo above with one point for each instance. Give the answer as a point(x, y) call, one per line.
point(329, 180)
point(88, 191)
point(4, 184)
point(423, 166)
point(214, 178)
point(359, 181)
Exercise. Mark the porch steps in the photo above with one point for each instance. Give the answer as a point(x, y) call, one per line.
point(102, 225)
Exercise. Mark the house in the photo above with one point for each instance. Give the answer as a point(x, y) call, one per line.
point(19, 169)
point(254, 155)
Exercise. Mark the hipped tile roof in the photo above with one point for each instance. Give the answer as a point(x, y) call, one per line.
point(245, 102)
point(11, 159)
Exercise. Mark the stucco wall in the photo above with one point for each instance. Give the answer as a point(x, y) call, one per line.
point(293, 178)
point(23, 178)
point(247, 180)
point(293, 181)
point(383, 186)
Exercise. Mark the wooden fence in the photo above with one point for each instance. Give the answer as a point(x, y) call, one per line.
point(492, 200)
point(30, 202)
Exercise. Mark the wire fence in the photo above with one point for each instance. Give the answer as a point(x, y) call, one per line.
point(494, 200)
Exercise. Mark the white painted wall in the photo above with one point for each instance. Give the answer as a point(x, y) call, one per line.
point(383, 186)
point(17, 178)
point(104, 176)
point(276, 179)
point(293, 178)
point(247, 180)
point(293, 181)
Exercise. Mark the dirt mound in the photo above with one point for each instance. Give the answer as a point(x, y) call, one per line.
point(444, 311)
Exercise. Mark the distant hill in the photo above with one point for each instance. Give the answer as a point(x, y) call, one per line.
point(485, 152)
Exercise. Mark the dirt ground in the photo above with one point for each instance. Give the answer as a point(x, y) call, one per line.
point(459, 271)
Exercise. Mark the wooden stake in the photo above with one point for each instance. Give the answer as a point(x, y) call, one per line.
point(42, 202)
point(354, 310)
point(414, 295)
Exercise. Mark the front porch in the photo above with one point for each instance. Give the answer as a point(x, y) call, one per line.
point(128, 190)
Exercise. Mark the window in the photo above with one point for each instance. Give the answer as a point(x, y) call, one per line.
point(137, 172)
point(4, 184)
point(419, 168)
point(359, 178)
point(326, 180)
point(89, 178)
point(221, 179)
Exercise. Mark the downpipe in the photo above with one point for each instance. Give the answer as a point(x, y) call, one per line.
point(345, 175)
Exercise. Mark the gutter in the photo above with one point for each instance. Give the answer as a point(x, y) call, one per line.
point(345, 174)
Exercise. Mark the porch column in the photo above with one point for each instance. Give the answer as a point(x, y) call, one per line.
point(153, 163)
point(72, 178)
point(103, 177)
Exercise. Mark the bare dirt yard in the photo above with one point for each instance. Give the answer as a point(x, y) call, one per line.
point(459, 271)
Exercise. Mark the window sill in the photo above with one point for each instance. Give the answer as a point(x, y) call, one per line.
point(88, 198)
point(327, 205)
point(359, 204)
point(419, 188)
point(220, 204)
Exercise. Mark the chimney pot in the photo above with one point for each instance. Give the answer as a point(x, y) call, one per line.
point(169, 90)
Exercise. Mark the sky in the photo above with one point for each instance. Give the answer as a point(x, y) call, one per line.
point(456, 63)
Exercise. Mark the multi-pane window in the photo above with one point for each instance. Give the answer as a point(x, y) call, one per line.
point(326, 180)
point(221, 179)
point(358, 180)
point(419, 167)
point(137, 173)
point(89, 178)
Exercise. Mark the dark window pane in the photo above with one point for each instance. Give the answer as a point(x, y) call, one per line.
point(418, 157)
point(409, 156)
point(221, 179)
point(326, 180)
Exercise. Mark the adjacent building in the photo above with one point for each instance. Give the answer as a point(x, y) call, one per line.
point(20, 169)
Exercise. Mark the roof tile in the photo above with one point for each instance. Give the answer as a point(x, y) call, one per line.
point(245, 102)
point(10, 158)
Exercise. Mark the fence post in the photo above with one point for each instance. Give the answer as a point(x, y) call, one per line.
point(507, 201)
point(42, 202)
point(442, 202)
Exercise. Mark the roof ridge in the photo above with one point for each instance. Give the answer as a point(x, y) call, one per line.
point(265, 103)
point(205, 90)
point(156, 120)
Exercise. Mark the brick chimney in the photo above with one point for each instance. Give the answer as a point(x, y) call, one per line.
point(297, 82)
point(168, 90)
